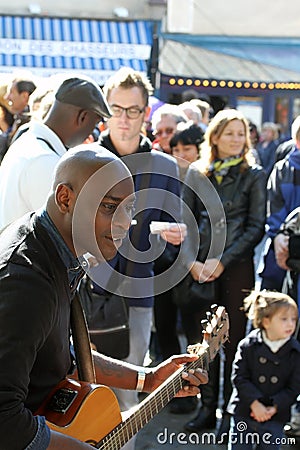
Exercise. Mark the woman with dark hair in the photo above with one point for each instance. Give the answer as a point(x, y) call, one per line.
point(226, 167)
point(254, 134)
point(185, 146)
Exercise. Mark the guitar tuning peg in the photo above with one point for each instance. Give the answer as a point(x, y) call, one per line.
point(204, 323)
point(208, 315)
point(214, 308)
point(194, 349)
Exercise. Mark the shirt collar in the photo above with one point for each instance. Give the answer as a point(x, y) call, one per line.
point(274, 345)
point(76, 267)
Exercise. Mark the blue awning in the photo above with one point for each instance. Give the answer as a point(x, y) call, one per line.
point(97, 48)
point(178, 59)
point(231, 58)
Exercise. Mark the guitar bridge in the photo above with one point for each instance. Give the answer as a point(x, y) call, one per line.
point(62, 400)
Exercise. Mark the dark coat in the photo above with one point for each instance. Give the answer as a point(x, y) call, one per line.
point(35, 327)
point(283, 197)
point(243, 197)
point(162, 203)
point(260, 374)
point(284, 149)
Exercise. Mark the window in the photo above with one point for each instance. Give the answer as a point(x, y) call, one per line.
point(251, 107)
point(282, 115)
point(296, 107)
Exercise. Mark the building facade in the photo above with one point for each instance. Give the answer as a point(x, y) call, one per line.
point(246, 57)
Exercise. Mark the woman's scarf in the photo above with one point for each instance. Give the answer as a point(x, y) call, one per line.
point(220, 167)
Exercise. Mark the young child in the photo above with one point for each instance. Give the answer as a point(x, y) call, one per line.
point(265, 373)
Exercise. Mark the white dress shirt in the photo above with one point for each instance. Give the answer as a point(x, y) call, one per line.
point(26, 172)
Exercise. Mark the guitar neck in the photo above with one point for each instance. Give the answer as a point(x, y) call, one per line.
point(150, 406)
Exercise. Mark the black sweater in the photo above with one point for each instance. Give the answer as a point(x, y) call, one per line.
point(34, 327)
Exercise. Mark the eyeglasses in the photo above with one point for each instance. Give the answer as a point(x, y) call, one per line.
point(133, 112)
point(165, 130)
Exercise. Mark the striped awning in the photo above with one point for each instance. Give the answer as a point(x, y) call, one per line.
point(236, 58)
point(97, 48)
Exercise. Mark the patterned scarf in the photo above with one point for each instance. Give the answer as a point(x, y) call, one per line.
point(220, 167)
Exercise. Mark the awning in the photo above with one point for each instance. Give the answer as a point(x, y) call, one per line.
point(178, 59)
point(97, 48)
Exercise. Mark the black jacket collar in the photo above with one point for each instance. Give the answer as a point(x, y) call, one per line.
point(105, 141)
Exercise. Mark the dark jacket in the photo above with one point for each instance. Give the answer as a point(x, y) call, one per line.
point(243, 197)
point(162, 203)
point(284, 149)
point(283, 191)
point(34, 336)
point(283, 198)
point(260, 374)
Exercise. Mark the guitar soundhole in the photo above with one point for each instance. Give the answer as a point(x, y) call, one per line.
point(62, 400)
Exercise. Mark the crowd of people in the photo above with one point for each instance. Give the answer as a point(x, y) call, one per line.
point(220, 187)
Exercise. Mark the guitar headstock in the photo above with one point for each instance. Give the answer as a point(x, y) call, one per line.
point(215, 333)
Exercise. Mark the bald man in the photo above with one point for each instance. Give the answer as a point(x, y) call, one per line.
point(88, 210)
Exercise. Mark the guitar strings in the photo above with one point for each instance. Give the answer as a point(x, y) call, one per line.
point(127, 429)
point(159, 399)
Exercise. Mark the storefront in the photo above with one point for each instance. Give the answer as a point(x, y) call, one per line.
point(97, 48)
point(260, 76)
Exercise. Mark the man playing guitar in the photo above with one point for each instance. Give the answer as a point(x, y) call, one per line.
point(87, 211)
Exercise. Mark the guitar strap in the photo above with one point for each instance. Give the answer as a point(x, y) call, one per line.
point(81, 342)
point(48, 143)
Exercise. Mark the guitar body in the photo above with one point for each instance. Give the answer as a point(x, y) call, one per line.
point(90, 412)
point(87, 412)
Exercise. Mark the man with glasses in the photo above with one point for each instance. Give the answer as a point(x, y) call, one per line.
point(132, 112)
point(155, 175)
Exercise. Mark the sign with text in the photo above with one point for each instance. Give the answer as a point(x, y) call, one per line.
point(79, 49)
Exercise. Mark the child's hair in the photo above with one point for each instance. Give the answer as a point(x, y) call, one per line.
point(259, 305)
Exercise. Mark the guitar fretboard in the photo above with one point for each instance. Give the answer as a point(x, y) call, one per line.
point(150, 406)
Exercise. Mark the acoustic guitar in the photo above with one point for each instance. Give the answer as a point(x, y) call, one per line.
point(90, 412)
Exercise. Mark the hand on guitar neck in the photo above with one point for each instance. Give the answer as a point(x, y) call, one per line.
point(97, 404)
point(192, 377)
point(90, 412)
